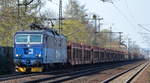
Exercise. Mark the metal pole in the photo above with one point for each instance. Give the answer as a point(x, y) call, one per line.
point(60, 20)
point(26, 6)
point(95, 31)
point(95, 18)
point(110, 36)
point(60, 16)
point(18, 8)
point(18, 13)
point(120, 38)
point(99, 28)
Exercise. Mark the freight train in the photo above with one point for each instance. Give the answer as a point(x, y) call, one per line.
point(40, 48)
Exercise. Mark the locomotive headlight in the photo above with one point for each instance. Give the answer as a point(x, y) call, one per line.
point(39, 55)
point(17, 55)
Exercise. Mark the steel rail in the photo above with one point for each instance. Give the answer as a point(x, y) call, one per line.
point(130, 79)
point(9, 75)
point(22, 75)
point(119, 74)
point(60, 74)
point(75, 74)
point(65, 76)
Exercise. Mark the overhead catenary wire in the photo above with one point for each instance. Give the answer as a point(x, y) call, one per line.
point(121, 13)
point(133, 24)
point(28, 3)
point(130, 16)
point(143, 27)
point(129, 11)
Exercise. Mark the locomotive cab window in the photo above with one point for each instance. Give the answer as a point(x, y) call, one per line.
point(28, 38)
point(35, 38)
point(21, 38)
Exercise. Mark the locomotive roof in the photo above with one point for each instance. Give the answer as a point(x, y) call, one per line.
point(31, 31)
point(45, 31)
point(41, 30)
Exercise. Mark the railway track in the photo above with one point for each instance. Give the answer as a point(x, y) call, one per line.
point(69, 76)
point(16, 76)
point(73, 75)
point(61, 75)
point(126, 76)
point(4, 78)
point(23, 75)
point(9, 75)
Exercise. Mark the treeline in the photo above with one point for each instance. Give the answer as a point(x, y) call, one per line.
point(12, 20)
point(76, 25)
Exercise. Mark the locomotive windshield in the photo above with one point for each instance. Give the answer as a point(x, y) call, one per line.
point(35, 38)
point(28, 38)
point(21, 38)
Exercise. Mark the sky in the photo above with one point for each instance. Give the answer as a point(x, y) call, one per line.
point(123, 15)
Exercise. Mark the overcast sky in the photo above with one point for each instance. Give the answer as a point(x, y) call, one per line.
point(125, 15)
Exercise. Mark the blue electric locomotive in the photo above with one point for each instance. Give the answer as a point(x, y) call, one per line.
point(38, 47)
